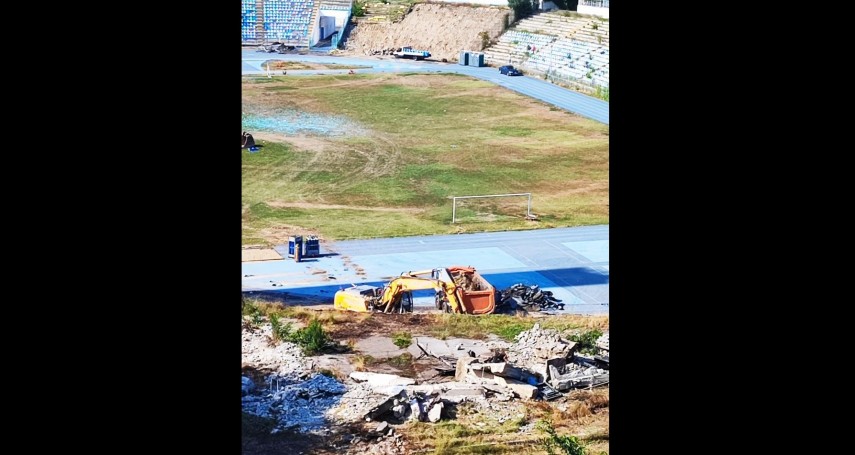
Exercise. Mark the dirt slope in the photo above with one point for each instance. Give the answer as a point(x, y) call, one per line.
point(442, 29)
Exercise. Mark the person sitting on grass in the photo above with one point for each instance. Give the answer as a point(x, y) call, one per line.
point(248, 141)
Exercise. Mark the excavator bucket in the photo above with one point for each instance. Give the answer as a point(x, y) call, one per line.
point(476, 294)
point(355, 298)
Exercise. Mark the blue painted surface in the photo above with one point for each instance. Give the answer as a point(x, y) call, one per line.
point(540, 257)
point(293, 121)
point(595, 250)
point(566, 99)
point(395, 263)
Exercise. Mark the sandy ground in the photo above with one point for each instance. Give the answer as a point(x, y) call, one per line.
point(259, 254)
point(438, 28)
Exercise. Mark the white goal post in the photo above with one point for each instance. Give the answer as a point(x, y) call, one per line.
point(455, 198)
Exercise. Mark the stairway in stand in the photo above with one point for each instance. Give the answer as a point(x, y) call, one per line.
point(313, 24)
point(260, 35)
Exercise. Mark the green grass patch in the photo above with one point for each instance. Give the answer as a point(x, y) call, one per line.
point(586, 342)
point(450, 437)
point(478, 327)
point(508, 327)
point(422, 139)
point(512, 131)
point(401, 362)
point(556, 444)
point(402, 339)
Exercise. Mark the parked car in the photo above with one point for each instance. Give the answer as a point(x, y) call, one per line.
point(509, 70)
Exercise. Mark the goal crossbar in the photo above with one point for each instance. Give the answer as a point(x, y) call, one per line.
point(455, 198)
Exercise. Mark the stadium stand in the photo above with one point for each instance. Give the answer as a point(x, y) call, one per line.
point(563, 46)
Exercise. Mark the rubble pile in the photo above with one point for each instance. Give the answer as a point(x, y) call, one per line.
point(378, 401)
point(552, 360)
point(503, 379)
point(535, 347)
point(295, 403)
point(603, 341)
point(492, 377)
point(291, 394)
point(530, 298)
point(573, 375)
point(284, 358)
point(602, 344)
point(382, 440)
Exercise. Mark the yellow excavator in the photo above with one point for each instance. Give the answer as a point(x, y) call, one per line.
point(458, 290)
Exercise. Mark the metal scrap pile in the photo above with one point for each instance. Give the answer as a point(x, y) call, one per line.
point(531, 298)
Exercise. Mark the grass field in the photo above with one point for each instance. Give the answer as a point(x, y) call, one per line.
point(380, 155)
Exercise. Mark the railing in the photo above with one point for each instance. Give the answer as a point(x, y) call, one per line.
point(595, 3)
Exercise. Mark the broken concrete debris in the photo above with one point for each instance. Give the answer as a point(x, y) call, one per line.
point(246, 385)
point(382, 427)
point(294, 403)
point(539, 358)
point(538, 364)
point(412, 402)
point(435, 412)
point(602, 344)
point(574, 376)
point(385, 406)
point(380, 379)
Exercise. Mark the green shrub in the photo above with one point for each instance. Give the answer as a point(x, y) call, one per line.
point(358, 9)
point(485, 40)
point(248, 308)
point(568, 445)
point(522, 8)
point(402, 339)
point(586, 342)
point(281, 332)
point(255, 314)
point(312, 338)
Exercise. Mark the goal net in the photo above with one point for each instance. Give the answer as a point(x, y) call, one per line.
point(491, 207)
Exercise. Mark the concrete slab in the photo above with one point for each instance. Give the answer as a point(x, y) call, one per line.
point(380, 379)
point(457, 395)
point(462, 346)
point(435, 347)
point(379, 347)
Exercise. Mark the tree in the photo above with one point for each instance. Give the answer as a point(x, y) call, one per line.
point(522, 8)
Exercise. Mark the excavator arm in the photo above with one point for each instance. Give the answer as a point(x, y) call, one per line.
point(395, 290)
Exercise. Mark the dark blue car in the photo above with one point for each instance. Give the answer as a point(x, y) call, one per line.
point(509, 70)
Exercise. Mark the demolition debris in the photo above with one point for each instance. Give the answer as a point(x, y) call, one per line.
point(529, 298)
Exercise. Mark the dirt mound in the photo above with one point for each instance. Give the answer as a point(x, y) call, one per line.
point(443, 30)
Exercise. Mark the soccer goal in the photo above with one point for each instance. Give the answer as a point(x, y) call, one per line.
point(490, 207)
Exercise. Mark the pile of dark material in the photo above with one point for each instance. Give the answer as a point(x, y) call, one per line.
point(276, 46)
point(530, 298)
